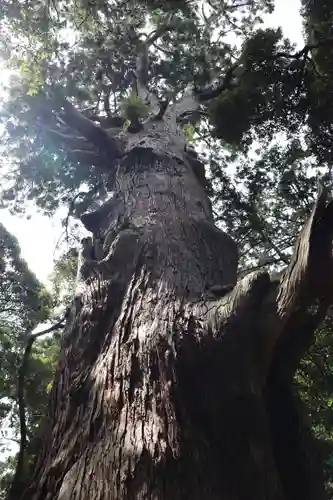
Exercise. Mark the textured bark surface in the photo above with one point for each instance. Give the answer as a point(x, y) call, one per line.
point(163, 392)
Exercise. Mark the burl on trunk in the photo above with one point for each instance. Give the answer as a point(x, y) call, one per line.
point(175, 380)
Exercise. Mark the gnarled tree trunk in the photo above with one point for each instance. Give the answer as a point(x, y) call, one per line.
point(163, 391)
point(174, 380)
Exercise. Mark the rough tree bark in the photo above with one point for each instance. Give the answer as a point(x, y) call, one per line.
point(165, 390)
point(162, 392)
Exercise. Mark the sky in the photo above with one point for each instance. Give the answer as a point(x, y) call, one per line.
point(39, 235)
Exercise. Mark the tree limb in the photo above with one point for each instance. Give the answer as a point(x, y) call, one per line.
point(232, 74)
point(309, 274)
point(142, 64)
point(187, 104)
point(157, 34)
point(92, 132)
point(72, 141)
point(88, 158)
point(106, 122)
point(106, 102)
point(305, 50)
point(235, 71)
point(292, 347)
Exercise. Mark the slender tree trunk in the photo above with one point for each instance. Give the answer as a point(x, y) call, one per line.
point(163, 391)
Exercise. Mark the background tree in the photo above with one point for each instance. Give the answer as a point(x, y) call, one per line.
point(24, 303)
point(30, 365)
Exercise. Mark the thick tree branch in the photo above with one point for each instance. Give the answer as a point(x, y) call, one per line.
point(142, 64)
point(299, 298)
point(233, 74)
point(106, 101)
point(296, 342)
point(88, 158)
point(187, 104)
point(72, 141)
point(157, 34)
point(191, 101)
point(106, 122)
point(309, 274)
point(92, 132)
point(229, 81)
point(292, 304)
point(170, 25)
point(239, 303)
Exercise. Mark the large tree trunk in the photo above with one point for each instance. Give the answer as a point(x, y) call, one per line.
point(164, 391)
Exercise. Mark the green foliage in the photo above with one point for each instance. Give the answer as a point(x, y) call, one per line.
point(318, 26)
point(132, 107)
point(188, 131)
point(38, 383)
point(265, 95)
point(282, 89)
point(63, 278)
point(192, 52)
point(24, 303)
point(315, 384)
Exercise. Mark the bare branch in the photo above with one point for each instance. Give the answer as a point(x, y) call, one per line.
point(170, 24)
point(166, 52)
